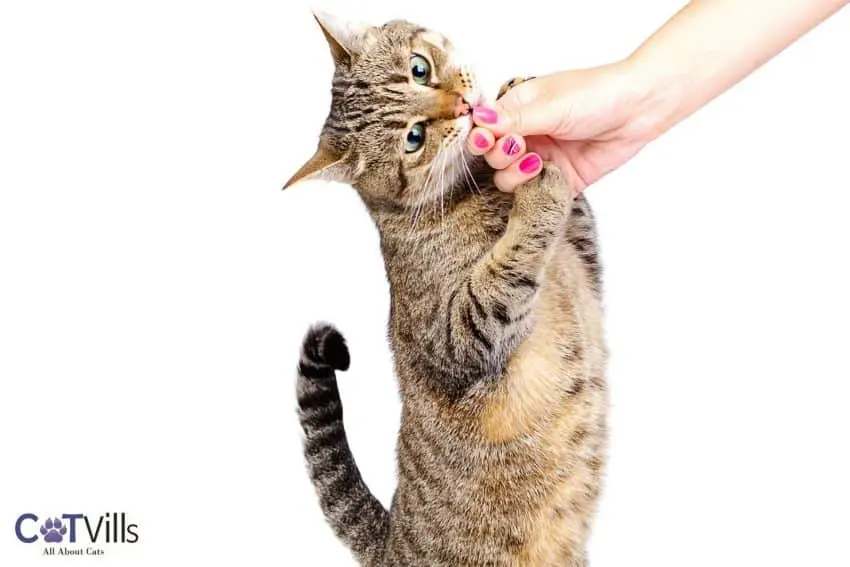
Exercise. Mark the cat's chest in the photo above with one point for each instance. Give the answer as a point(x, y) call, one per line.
point(426, 270)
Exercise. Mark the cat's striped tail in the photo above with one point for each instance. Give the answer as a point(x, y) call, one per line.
point(354, 514)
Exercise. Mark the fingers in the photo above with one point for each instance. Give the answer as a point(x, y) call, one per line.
point(525, 169)
point(480, 141)
point(497, 138)
point(521, 110)
point(506, 155)
point(491, 119)
point(505, 151)
point(498, 154)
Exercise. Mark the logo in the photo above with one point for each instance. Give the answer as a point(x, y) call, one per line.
point(53, 530)
point(82, 532)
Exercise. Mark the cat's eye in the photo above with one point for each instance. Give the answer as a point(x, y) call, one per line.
point(420, 69)
point(415, 138)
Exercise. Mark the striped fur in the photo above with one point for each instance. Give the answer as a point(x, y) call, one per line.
point(356, 516)
point(495, 326)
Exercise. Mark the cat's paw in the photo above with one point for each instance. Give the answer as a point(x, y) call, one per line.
point(508, 85)
point(552, 182)
point(548, 192)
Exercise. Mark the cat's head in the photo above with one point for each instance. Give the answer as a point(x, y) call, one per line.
point(399, 113)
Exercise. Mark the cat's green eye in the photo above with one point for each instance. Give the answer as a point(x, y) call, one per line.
point(415, 138)
point(420, 69)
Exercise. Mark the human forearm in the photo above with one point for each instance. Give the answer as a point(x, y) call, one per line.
point(591, 121)
point(710, 45)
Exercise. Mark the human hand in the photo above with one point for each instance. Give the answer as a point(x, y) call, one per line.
point(588, 122)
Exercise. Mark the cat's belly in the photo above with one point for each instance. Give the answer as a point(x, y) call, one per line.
point(513, 482)
point(521, 503)
point(552, 398)
point(517, 505)
point(548, 378)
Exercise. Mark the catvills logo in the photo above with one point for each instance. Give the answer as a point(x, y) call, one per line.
point(76, 529)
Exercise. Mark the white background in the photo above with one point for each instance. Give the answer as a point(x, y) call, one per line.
point(156, 283)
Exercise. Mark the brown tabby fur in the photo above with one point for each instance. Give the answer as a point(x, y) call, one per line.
point(495, 326)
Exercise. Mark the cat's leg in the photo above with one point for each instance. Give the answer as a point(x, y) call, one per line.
point(581, 230)
point(491, 310)
point(581, 234)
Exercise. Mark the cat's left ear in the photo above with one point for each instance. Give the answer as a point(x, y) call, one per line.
point(346, 38)
point(325, 164)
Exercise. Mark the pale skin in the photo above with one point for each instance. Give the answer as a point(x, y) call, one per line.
point(589, 122)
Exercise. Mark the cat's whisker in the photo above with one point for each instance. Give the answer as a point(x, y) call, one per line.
point(442, 192)
point(421, 199)
point(439, 165)
point(468, 174)
point(451, 193)
point(456, 168)
point(448, 173)
point(447, 168)
point(442, 187)
point(436, 181)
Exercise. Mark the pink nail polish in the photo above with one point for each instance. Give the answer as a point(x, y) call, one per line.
point(510, 146)
point(486, 115)
point(481, 142)
point(529, 164)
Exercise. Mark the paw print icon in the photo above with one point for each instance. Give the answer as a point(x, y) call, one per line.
point(53, 530)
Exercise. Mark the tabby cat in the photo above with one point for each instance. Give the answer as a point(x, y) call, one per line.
point(495, 325)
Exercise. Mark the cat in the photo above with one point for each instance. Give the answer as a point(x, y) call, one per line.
point(495, 325)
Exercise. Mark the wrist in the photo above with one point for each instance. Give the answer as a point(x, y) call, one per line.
point(657, 95)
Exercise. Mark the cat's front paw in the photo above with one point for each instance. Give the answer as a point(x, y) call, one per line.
point(550, 182)
point(548, 193)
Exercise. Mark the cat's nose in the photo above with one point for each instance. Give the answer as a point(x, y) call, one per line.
point(447, 106)
point(462, 108)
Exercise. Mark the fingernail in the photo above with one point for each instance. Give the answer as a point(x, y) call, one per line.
point(486, 115)
point(510, 146)
point(481, 142)
point(529, 164)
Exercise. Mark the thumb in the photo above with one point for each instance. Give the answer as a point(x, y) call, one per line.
point(527, 110)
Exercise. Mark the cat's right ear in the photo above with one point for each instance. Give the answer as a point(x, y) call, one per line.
point(346, 39)
point(325, 164)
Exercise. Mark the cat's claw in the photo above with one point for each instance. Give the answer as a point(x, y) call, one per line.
point(508, 85)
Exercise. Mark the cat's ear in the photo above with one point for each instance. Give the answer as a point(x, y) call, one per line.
point(346, 39)
point(325, 164)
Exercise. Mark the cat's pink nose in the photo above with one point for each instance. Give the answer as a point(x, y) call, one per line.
point(462, 107)
point(446, 106)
